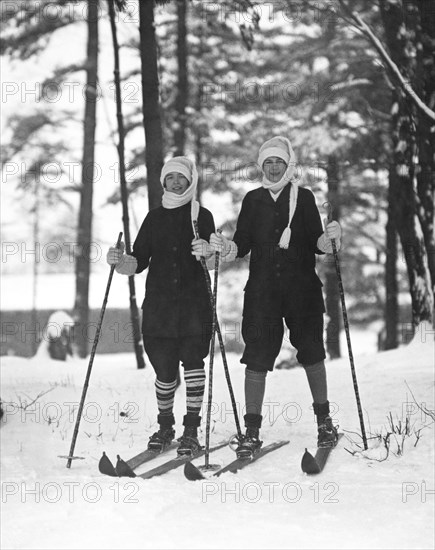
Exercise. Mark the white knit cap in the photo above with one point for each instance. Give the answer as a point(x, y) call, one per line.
point(277, 147)
point(182, 165)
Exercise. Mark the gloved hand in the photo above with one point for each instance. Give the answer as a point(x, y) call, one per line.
point(200, 247)
point(225, 247)
point(125, 264)
point(332, 231)
point(114, 255)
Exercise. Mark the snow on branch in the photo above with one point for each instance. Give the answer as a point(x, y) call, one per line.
point(362, 26)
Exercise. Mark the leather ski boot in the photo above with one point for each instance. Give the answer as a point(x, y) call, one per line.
point(161, 439)
point(189, 444)
point(250, 444)
point(327, 432)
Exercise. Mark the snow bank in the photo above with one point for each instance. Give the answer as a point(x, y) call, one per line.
point(357, 502)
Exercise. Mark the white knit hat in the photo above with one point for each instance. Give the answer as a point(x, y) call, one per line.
point(280, 147)
point(182, 165)
point(277, 147)
point(187, 168)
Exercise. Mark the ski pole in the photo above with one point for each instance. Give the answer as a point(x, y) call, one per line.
point(210, 381)
point(221, 342)
point(328, 207)
point(71, 456)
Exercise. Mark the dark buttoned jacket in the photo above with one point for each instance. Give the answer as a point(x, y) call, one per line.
point(282, 282)
point(176, 298)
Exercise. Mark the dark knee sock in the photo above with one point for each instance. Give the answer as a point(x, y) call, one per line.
point(316, 375)
point(255, 385)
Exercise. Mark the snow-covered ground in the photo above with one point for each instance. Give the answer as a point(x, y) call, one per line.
point(358, 502)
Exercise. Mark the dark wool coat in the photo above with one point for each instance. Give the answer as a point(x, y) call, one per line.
point(282, 283)
point(176, 299)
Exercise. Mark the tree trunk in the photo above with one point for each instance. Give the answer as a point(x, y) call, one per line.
point(34, 322)
point(425, 87)
point(391, 290)
point(151, 103)
point(332, 295)
point(405, 198)
point(84, 234)
point(198, 126)
point(134, 313)
point(182, 88)
point(198, 140)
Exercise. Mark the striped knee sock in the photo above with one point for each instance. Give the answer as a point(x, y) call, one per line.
point(165, 392)
point(195, 385)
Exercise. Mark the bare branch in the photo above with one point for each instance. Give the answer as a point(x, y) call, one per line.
point(24, 405)
point(426, 411)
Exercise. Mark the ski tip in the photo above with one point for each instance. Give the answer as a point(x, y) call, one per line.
point(106, 467)
point(309, 464)
point(192, 473)
point(123, 469)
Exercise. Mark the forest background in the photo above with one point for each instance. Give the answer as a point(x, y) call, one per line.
point(96, 95)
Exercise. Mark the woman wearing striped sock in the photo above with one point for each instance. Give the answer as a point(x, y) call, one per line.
point(177, 315)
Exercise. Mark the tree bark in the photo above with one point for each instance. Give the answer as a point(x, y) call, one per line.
point(84, 233)
point(391, 287)
point(134, 313)
point(182, 88)
point(405, 198)
point(425, 86)
point(150, 102)
point(332, 295)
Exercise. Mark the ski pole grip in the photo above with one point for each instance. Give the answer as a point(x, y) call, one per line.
point(218, 232)
point(118, 242)
point(328, 207)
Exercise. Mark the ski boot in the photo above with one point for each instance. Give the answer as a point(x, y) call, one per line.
point(160, 440)
point(189, 444)
point(327, 433)
point(250, 444)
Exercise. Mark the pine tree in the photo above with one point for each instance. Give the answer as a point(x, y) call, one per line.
point(134, 313)
point(84, 232)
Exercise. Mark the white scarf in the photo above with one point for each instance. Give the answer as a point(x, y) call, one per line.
point(279, 185)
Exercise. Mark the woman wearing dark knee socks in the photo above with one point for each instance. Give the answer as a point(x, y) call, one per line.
point(280, 226)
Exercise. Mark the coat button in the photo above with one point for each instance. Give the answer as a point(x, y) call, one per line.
point(174, 249)
point(276, 230)
point(175, 280)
